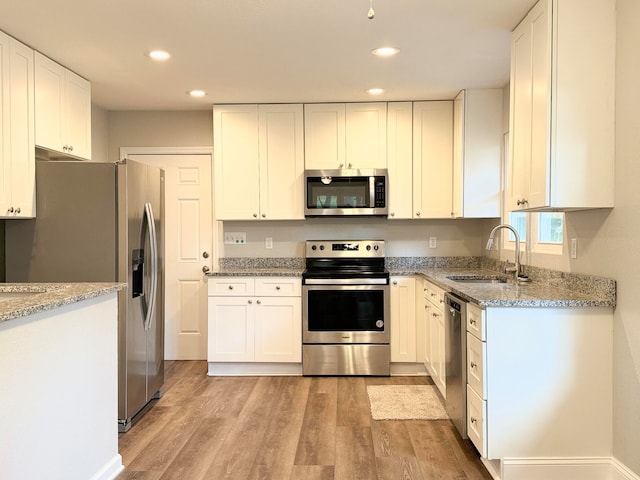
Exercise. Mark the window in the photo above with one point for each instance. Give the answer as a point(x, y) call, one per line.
point(539, 232)
point(550, 226)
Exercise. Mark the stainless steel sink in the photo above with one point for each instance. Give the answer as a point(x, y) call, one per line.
point(477, 278)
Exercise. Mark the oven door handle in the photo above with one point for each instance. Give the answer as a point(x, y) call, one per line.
point(346, 281)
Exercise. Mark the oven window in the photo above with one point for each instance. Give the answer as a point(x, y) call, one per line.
point(345, 310)
point(352, 192)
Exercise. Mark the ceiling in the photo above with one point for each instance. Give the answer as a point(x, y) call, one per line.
point(270, 51)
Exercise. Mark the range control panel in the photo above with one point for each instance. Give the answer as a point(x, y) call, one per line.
point(344, 249)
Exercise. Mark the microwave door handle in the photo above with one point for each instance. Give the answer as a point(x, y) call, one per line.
point(372, 191)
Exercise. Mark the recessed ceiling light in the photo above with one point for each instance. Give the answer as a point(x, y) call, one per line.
point(385, 51)
point(374, 91)
point(197, 93)
point(159, 55)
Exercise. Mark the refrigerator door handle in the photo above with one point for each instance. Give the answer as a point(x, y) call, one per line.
point(153, 246)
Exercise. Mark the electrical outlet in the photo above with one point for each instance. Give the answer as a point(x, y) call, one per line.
point(433, 242)
point(236, 238)
point(574, 248)
point(268, 242)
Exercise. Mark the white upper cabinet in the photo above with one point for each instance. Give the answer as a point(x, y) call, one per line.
point(63, 109)
point(351, 136)
point(562, 107)
point(477, 159)
point(258, 162)
point(432, 159)
point(17, 149)
point(400, 159)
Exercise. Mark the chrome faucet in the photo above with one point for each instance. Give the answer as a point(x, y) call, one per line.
point(516, 269)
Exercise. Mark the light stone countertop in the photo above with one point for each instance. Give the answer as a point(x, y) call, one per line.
point(22, 299)
point(534, 294)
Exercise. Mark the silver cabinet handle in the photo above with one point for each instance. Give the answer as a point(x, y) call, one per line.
point(205, 269)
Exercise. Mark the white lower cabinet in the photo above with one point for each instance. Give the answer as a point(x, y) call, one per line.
point(435, 354)
point(539, 383)
point(253, 323)
point(403, 319)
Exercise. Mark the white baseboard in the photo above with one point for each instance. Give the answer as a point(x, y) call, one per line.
point(588, 468)
point(408, 369)
point(111, 470)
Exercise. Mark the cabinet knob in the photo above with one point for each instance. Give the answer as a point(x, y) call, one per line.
point(350, 165)
point(258, 302)
point(205, 269)
point(395, 282)
point(249, 302)
point(255, 215)
point(10, 210)
point(392, 214)
point(205, 254)
point(71, 148)
point(472, 321)
point(473, 420)
point(230, 287)
point(417, 214)
point(277, 287)
point(473, 364)
point(264, 215)
point(341, 165)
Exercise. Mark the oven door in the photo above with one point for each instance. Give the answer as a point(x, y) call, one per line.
point(345, 314)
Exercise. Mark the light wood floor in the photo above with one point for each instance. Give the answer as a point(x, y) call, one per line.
point(286, 428)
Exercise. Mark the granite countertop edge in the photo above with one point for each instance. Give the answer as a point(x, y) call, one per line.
point(49, 296)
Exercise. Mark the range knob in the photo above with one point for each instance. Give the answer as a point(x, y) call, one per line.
point(321, 247)
point(314, 248)
point(376, 247)
point(368, 248)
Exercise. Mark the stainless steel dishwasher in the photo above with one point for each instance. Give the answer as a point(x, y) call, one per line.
point(456, 361)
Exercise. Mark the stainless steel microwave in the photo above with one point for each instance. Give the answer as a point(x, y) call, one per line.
point(346, 192)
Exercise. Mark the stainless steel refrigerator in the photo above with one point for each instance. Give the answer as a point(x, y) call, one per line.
point(103, 222)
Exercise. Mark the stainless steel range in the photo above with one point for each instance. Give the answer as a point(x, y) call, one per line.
point(345, 308)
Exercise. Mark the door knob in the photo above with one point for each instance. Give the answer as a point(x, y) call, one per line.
point(205, 269)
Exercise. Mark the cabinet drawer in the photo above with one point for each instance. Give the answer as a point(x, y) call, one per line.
point(476, 416)
point(476, 320)
point(230, 286)
point(476, 356)
point(435, 295)
point(278, 287)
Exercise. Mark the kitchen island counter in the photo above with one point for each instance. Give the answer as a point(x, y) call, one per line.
point(22, 299)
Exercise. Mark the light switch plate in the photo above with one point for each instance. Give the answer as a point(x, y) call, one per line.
point(574, 248)
point(268, 242)
point(433, 242)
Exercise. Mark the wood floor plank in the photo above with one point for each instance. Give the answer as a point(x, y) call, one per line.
point(355, 458)
point(433, 451)
point(228, 395)
point(239, 450)
point(353, 402)
point(278, 452)
point(391, 439)
point(400, 468)
point(195, 458)
point(316, 444)
point(312, 472)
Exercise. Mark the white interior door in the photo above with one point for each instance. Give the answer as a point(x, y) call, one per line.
point(187, 249)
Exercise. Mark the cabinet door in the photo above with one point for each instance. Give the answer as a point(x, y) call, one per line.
point(236, 153)
point(366, 135)
point(529, 115)
point(281, 162)
point(23, 167)
point(432, 159)
point(403, 319)
point(324, 133)
point(77, 115)
point(400, 159)
point(5, 126)
point(441, 361)
point(49, 103)
point(231, 329)
point(278, 331)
